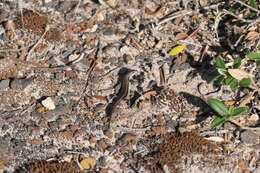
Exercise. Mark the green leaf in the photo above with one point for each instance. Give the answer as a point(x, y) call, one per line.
point(232, 9)
point(228, 80)
point(220, 80)
point(237, 63)
point(231, 110)
point(258, 63)
point(217, 122)
point(245, 82)
point(253, 55)
point(253, 4)
point(218, 106)
point(252, 14)
point(220, 63)
point(223, 71)
point(240, 110)
point(234, 85)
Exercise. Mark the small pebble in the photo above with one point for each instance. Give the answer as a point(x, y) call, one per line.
point(65, 6)
point(4, 84)
point(109, 32)
point(254, 117)
point(257, 170)
point(4, 145)
point(20, 84)
point(48, 103)
point(249, 137)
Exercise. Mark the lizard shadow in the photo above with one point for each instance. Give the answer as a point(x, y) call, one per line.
point(204, 109)
point(204, 68)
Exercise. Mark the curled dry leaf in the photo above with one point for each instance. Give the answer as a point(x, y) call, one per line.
point(152, 9)
point(251, 35)
point(215, 139)
point(162, 76)
point(3, 162)
point(148, 94)
point(148, 11)
point(247, 99)
point(88, 163)
point(238, 74)
point(253, 117)
point(42, 110)
point(242, 165)
point(229, 103)
point(9, 30)
point(252, 28)
point(181, 36)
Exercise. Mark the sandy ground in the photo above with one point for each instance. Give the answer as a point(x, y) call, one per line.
point(89, 86)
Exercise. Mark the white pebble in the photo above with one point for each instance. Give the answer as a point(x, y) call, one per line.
point(48, 103)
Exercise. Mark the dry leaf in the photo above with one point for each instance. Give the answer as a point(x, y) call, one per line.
point(253, 117)
point(181, 36)
point(252, 28)
point(247, 99)
point(229, 103)
point(42, 110)
point(176, 50)
point(181, 59)
point(215, 139)
point(238, 74)
point(242, 165)
point(88, 163)
point(162, 75)
point(148, 94)
point(178, 20)
point(9, 30)
point(3, 162)
point(148, 11)
point(251, 35)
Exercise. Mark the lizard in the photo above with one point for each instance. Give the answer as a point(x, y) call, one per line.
point(123, 78)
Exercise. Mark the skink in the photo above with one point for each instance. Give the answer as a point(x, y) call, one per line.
point(124, 75)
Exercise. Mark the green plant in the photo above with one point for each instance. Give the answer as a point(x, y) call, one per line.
point(226, 74)
point(254, 56)
point(226, 112)
point(236, 7)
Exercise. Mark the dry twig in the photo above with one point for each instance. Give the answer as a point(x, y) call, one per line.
point(244, 20)
point(133, 129)
point(37, 43)
point(248, 6)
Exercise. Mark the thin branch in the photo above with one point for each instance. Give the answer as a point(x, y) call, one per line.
point(186, 12)
point(216, 23)
point(251, 22)
point(20, 7)
point(248, 6)
point(77, 7)
point(232, 14)
point(243, 127)
point(38, 42)
point(133, 129)
point(175, 15)
point(213, 132)
point(190, 43)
